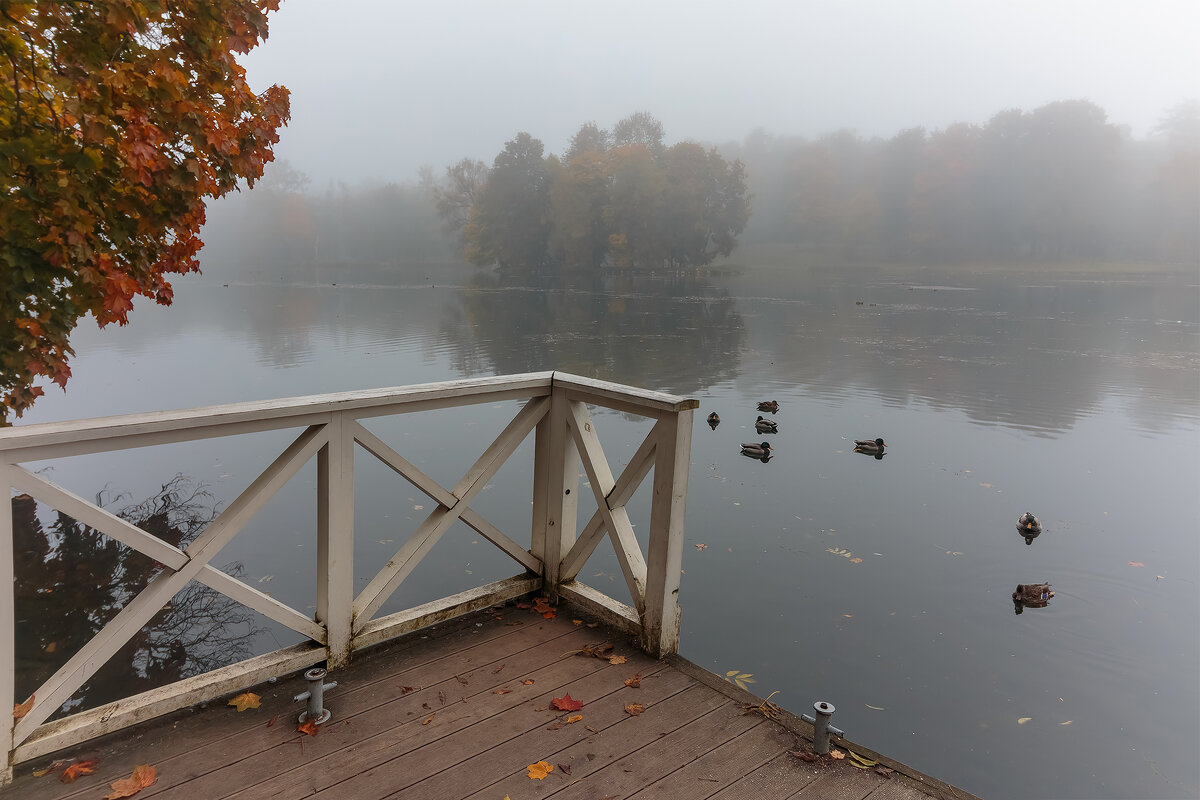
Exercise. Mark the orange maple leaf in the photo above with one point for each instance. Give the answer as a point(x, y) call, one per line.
point(565, 703)
point(21, 709)
point(634, 682)
point(245, 700)
point(309, 727)
point(76, 770)
point(633, 709)
point(143, 775)
point(616, 659)
point(574, 718)
point(540, 770)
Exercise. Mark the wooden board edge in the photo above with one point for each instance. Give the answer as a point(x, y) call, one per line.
point(608, 611)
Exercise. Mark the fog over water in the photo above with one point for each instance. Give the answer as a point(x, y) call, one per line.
point(381, 88)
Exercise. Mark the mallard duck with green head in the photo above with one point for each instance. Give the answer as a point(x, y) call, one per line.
point(760, 450)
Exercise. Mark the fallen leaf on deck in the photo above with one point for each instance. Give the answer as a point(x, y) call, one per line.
point(497, 669)
point(461, 679)
point(862, 760)
point(21, 709)
point(38, 773)
point(838, 754)
point(76, 770)
point(566, 768)
point(309, 727)
point(576, 717)
point(1023, 720)
point(701, 547)
point(542, 605)
point(523, 605)
point(540, 770)
point(407, 689)
point(429, 719)
point(244, 701)
point(884, 771)
point(565, 703)
point(804, 755)
point(576, 622)
point(635, 682)
point(616, 659)
point(143, 776)
point(633, 709)
point(502, 691)
point(271, 721)
point(549, 614)
point(528, 681)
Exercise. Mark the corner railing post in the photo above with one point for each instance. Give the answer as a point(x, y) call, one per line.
point(335, 540)
point(664, 558)
point(555, 492)
point(8, 638)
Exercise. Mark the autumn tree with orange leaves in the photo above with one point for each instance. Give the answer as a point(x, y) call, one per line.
point(117, 120)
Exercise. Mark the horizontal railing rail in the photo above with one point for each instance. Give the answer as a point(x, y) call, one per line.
point(554, 410)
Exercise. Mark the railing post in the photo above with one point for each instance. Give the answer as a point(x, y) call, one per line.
point(555, 492)
point(335, 540)
point(664, 559)
point(8, 629)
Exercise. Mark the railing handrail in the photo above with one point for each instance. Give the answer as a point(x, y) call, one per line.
point(565, 438)
point(21, 443)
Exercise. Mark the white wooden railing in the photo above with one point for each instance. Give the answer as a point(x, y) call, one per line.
point(554, 408)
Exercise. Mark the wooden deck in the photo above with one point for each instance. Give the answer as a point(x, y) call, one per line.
point(460, 710)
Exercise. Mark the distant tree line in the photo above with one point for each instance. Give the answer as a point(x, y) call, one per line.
point(1057, 183)
point(619, 199)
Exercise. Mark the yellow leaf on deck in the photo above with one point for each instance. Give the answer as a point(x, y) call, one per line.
point(540, 770)
point(244, 701)
point(574, 718)
point(21, 709)
point(616, 659)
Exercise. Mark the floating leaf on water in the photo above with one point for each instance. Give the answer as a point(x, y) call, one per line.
point(701, 547)
point(874, 708)
point(1068, 722)
point(1136, 564)
point(1023, 720)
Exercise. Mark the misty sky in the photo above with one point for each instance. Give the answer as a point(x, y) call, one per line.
point(380, 87)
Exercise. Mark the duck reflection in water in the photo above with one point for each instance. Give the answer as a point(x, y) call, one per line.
point(1031, 595)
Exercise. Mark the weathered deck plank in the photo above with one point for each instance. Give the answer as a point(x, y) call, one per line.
point(446, 715)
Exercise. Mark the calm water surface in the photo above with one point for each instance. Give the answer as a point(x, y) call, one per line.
point(881, 586)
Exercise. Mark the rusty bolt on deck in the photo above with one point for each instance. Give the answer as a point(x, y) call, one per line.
point(315, 697)
point(821, 726)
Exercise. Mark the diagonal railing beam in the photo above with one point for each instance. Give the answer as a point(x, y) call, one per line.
point(630, 479)
point(440, 519)
point(625, 543)
point(436, 492)
point(163, 586)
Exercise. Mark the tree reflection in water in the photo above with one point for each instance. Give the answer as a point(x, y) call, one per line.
point(70, 580)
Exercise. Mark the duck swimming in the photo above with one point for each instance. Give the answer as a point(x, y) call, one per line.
point(868, 446)
point(770, 406)
point(1028, 523)
point(1033, 595)
point(761, 450)
point(766, 426)
point(713, 420)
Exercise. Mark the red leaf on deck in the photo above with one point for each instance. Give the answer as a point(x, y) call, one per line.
point(143, 775)
point(565, 703)
point(76, 770)
point(308, 727)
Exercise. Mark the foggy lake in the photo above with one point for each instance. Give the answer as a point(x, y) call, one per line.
point(879, 585)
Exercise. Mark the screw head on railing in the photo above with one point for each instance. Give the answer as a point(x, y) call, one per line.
point(824, 708)
point(314, 674)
